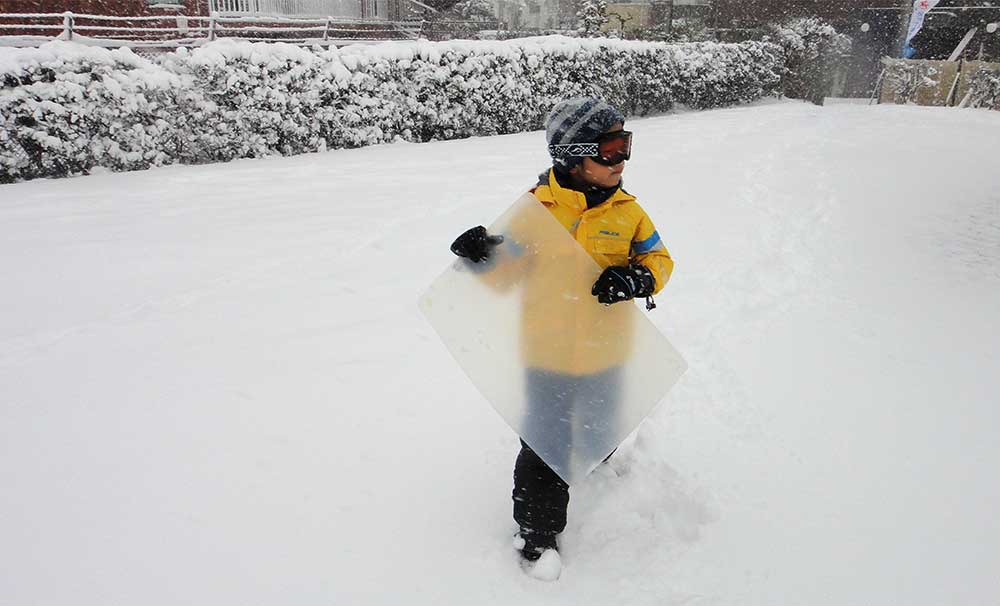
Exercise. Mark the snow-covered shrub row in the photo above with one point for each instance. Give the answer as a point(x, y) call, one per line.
point(67, 108)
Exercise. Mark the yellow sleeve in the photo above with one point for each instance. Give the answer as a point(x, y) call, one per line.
point(648, 250)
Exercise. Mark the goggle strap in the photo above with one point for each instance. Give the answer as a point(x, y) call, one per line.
point(574, 150)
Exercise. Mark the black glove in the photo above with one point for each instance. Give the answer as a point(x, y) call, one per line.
point(475, 244)
point(617, 284)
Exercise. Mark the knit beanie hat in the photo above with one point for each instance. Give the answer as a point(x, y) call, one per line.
point(575, 121)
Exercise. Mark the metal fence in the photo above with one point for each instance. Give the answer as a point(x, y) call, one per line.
point(182, 30)
point(466, 29)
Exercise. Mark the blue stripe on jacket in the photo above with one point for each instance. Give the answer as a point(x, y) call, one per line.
point(644, 246)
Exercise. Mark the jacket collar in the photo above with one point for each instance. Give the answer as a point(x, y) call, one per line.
point(551, 193)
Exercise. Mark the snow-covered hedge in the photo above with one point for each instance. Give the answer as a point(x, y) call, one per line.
point(65, 108)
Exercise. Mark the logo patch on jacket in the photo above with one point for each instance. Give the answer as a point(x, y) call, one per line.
point(605, 232)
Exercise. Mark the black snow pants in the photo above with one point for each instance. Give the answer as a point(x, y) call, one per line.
point(540, 496)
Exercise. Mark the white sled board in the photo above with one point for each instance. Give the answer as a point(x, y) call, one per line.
point(572, 377)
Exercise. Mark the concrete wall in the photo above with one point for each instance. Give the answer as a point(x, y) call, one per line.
point(969, 69)
point(628, 17)
point(922, 82)
point(918, 81)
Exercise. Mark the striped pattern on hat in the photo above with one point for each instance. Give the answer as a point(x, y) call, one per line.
point(577, 120)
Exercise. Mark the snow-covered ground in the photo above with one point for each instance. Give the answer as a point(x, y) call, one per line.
point(216, 388)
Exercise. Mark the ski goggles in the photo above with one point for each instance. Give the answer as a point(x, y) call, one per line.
point(609, 149)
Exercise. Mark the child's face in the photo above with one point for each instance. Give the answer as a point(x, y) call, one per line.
point(592, 173)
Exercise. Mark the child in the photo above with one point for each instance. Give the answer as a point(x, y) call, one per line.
point(583, 191)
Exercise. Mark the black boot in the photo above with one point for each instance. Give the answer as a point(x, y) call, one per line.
point(535, 543)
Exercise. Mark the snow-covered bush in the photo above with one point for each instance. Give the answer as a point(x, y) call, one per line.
point(984, 89)
point(813, 49)
point(715, 75)
point(251, 100)
point(366, 98)
point(473, 10)
point(68, 108)
point(591, 16)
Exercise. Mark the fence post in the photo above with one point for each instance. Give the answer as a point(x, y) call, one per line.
point(949, 101)
point(877, 93)
point(68, 25)
point(326, 32)
point(211, 28)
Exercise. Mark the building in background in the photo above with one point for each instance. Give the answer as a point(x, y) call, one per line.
point(666, 16)
point(624, 17)
point(120, 8)
point(875, 23)
point(947, 25)
point(536, 15)
point(876, 27)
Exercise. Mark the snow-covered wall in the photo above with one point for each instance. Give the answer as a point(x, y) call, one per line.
point(67, 108)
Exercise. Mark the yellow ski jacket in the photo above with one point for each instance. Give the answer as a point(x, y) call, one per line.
point(616, 232)
point(585, 337)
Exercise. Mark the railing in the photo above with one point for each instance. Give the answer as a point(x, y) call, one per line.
point(182, 30)
point(447, 30)
point(302, 8)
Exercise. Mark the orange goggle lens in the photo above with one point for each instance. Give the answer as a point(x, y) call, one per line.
point(614, 148)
